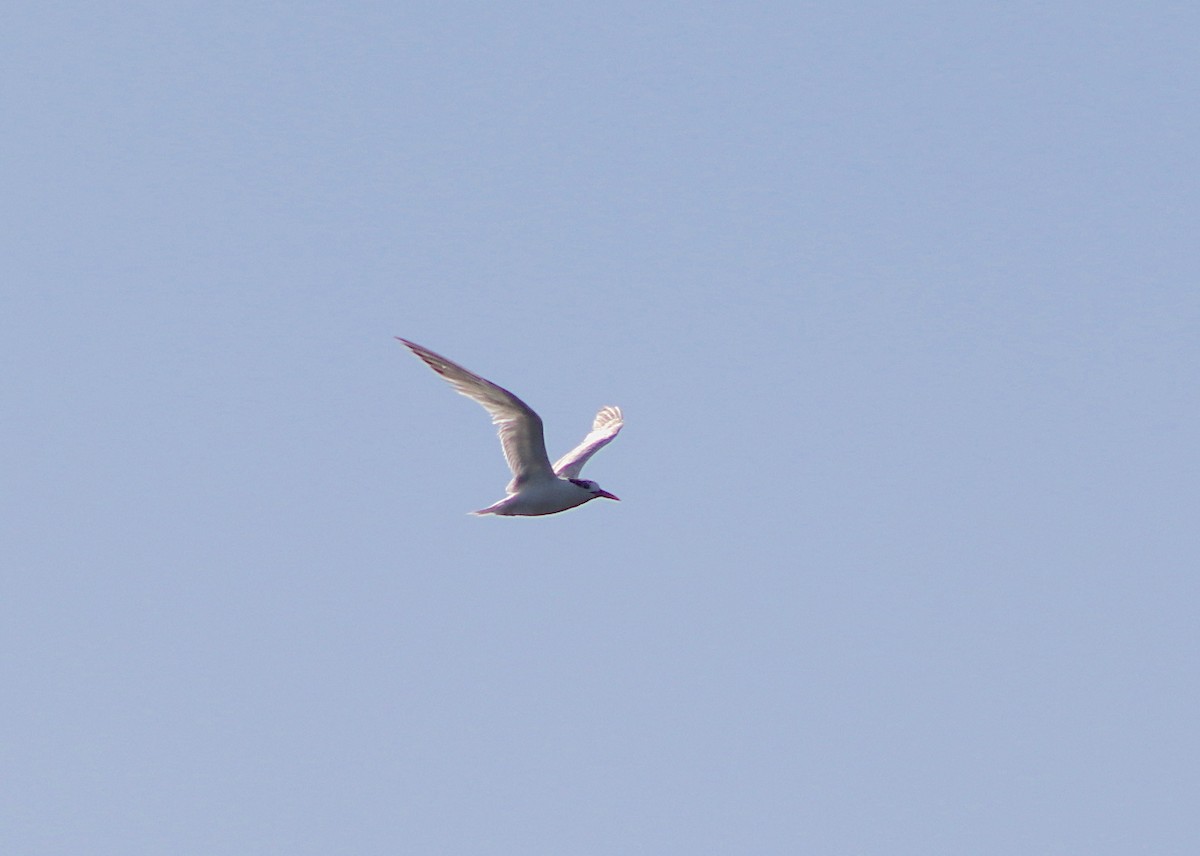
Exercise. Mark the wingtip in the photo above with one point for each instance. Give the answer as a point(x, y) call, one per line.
point(609, 415)
point(417, 350)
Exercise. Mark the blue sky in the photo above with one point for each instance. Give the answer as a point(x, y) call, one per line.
point(900, 302)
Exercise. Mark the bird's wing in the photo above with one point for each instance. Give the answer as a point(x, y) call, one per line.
point(607, 425)
point(520, 428)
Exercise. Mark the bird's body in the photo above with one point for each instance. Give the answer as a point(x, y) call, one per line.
point(542, 496)
point(537, 488)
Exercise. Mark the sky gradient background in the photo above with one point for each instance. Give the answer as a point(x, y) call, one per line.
point(901, 303)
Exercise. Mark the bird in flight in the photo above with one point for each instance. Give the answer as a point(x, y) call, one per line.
point(537, 487)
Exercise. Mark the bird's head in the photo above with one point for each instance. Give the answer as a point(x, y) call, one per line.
point(594, 489)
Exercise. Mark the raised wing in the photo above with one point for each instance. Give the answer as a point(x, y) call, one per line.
point(520, 428)
point(608, 424)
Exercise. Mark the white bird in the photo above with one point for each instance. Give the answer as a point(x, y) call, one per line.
point(536, 487)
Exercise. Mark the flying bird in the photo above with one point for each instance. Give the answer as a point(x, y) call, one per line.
point(537, 487)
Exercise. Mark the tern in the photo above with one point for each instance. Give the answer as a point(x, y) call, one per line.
point(536, 488)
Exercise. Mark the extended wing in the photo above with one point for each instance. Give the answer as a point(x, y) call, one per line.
point(520, 428)
point(608, 424)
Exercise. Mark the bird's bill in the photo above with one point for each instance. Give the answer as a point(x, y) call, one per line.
point(607, 495)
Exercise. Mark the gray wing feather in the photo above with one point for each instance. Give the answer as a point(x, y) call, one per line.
point(520, 427)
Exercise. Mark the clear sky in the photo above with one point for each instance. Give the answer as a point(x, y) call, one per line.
point(901, 302)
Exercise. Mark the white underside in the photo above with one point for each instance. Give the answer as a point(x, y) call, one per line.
point(535, 498)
